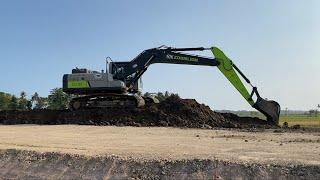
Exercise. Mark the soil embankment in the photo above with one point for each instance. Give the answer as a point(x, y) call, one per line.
point(32, 165)
point(173, 112)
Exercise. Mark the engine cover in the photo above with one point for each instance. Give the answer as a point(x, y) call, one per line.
point(92, 83)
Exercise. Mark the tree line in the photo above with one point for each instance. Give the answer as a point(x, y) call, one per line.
point(57, 99)
point(160, 95)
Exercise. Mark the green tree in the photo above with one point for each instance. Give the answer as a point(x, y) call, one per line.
point(42, 103)
point(13, 105)
point(4, 101)
point(166, 94)
point(39, 102)
point(161, 96)
point(34, 98)
point(29, 105)
point(23, 102)
point(147, 94)
point(58, 99)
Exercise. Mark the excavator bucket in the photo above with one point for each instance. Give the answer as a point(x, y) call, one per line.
point(270, 109)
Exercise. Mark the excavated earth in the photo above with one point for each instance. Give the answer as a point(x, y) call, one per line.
point(50, 165)
point(173, 112)
point(112, 152)
point(206, 150)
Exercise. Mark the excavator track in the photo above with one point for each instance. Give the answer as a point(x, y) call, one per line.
point(106, 101)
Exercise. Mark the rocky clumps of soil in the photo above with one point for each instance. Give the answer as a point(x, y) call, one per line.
point(17, 164)
point(173, 111)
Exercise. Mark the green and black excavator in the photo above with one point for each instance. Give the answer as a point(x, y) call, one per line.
point(119, 85)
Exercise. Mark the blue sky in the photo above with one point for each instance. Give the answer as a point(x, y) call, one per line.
point(275, 43)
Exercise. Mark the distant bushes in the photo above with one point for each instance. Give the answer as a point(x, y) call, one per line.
point(57, 99)
point(160, 96)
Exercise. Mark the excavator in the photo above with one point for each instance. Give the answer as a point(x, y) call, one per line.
point(120, 85)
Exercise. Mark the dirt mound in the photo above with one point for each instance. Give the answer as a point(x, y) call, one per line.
point(173, 111)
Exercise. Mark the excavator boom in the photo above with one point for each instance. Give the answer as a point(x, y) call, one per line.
point(270, 109)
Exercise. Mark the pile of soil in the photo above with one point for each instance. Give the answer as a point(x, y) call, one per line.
point(173, 111)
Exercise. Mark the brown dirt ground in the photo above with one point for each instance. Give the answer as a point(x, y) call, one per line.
point(110, 152)
point(250, 150)
point(166, 143)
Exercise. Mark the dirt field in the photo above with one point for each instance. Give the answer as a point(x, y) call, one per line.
point(209, 153)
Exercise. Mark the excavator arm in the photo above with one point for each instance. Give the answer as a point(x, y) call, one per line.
point(271, 109)
point(130, 72)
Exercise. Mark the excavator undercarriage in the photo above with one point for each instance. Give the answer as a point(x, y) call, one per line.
point(106, 101)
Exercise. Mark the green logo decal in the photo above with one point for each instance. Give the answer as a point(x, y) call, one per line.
point(78, 84)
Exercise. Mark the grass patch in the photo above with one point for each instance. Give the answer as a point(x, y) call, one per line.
point(302, 120)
